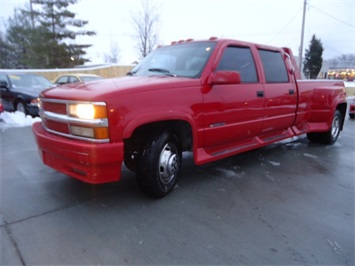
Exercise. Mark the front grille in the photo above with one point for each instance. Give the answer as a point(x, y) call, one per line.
point(56, 120)
point(58, 108)
point(56, 126)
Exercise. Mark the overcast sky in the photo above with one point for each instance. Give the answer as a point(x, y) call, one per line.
point(273, 22)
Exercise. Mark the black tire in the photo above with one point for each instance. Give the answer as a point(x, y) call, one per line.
point(159, 165)
point(130, 161)
point(330, 136)
point(131, 154)
point(313, 137)
point(352, 116)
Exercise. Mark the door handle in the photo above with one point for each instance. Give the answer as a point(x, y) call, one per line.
point(260, 93)
point(291, 91)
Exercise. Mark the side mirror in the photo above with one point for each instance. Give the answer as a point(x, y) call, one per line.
point(225, 77)
point(3, 84)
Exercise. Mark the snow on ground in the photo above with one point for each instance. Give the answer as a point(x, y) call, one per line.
point(349, 84)
point(16, 119)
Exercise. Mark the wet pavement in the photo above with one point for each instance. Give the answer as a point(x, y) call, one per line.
point(291, 203)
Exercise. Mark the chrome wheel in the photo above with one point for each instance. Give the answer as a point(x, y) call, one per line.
point(169, 163)
point(21, 107)
point(332, 134)
point(159, 163)
point(335, 127)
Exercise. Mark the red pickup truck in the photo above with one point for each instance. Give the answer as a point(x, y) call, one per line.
point(216, 98)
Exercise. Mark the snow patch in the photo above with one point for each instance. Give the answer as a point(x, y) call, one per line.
point(310, 155)
point(288, 140)
point(227, 172)
point(16, 119)
point(231, 173)
point(273, 163)
point(335, 246)
point(293, 145)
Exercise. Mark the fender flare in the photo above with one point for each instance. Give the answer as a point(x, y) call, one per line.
point(157, 116)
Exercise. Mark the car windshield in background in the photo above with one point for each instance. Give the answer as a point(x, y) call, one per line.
point(182, 60)
point(30, 81)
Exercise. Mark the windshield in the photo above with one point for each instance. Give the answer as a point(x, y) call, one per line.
point(183, 60)
point(30, 81)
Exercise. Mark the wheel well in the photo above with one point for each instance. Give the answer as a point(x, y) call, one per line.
point(17, 101)
point(342, 109)
point(181, 128)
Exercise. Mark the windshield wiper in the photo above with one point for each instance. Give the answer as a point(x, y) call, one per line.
point(131, 73)
point(162, 70)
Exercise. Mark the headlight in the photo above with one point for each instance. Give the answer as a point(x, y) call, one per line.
point(87, 110)
point(35, 102)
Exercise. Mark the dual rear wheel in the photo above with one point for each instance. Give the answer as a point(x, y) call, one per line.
point(330, 136)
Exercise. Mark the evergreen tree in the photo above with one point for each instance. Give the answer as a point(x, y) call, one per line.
point(44, 37)
point(6, 54)
point(28, 46)
point(313, 58)
point(58, 20)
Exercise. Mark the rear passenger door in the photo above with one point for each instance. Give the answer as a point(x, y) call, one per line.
point(280, 92)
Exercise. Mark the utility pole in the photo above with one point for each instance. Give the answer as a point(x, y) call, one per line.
point(302, 35)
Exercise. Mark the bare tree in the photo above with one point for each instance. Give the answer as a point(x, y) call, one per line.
point(145, 22)
point(114, 55)
point(344, 60)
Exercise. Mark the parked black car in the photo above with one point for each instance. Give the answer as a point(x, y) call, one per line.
point(20, 91)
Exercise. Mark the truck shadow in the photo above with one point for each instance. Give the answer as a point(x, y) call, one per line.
point(271, 164)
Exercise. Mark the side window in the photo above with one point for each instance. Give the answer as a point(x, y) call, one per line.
point(73, 79)
point(3, 78)
point(239, 59)
point(4, 82)
point(274, 66)
point(62, 80)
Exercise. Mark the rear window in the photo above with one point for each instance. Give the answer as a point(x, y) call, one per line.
point(274, 66)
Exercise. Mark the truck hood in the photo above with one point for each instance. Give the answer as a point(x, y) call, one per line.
point(103, 89)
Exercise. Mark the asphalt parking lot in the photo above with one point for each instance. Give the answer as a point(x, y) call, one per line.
point(291, 203)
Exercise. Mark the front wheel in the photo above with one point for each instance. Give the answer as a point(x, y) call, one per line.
point(330, 136)
point(20, 106)
point(159, 165)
